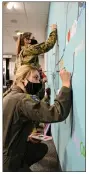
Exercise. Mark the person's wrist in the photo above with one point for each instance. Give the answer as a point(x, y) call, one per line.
point(53, 29)
point(66, 84)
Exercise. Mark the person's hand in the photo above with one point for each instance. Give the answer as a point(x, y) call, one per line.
point(48, 91)
point(53, 27)
point(65, 77)
point(33, 140)
point(44, 80)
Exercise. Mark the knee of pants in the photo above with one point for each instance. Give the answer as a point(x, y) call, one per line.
point(44, 148)
point(36, 153)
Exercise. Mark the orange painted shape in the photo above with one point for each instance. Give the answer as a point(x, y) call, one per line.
point(68, 36)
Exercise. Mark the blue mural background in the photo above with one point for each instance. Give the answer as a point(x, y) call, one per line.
point(69, 135)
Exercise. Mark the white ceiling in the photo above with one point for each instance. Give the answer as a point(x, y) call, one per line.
point(30, 16)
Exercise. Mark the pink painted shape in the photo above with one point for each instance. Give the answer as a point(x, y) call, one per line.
point(76, 141)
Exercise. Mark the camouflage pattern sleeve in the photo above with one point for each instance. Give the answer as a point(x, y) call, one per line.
point(42, 47)
point(29, 54)
point(39, 111)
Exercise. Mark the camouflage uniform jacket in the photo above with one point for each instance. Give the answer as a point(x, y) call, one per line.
point(29, 54)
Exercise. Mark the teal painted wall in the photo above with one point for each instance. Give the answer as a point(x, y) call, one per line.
point(69, 136)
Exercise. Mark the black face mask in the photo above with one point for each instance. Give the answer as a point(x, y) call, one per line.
point(41, 93)
point(33, 42)
point(33, 88)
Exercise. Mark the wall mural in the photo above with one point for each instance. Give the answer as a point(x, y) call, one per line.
point(69, 53)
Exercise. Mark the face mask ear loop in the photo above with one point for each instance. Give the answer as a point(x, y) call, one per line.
point(22, 81)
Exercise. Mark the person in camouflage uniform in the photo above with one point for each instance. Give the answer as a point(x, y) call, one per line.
point(28, 49)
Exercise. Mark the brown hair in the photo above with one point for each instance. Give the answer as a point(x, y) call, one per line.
point(20, 41)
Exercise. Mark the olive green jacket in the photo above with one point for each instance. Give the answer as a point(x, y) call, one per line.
point(29, 54)
point(20, 108)
point(20, 112)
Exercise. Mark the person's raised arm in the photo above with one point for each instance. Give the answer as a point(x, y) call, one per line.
point(44, 46)
point(39, 111)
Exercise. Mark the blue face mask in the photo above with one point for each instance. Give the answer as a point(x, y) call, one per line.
point(33, 88)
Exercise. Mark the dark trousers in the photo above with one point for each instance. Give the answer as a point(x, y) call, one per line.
point(33, 154)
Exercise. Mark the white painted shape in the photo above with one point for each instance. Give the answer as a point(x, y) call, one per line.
point(73, 29)
point(80, 47)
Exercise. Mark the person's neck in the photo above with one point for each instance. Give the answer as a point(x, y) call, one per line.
point(26, 44)
point(21, 86)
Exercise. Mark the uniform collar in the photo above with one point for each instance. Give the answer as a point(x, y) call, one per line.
point(26, 46)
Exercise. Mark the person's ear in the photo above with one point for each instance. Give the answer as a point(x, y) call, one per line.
point(30, 41)
point(24, 81)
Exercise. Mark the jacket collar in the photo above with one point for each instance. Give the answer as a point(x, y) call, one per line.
point(17, 89)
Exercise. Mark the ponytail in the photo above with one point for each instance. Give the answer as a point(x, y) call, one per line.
point(20, 43)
